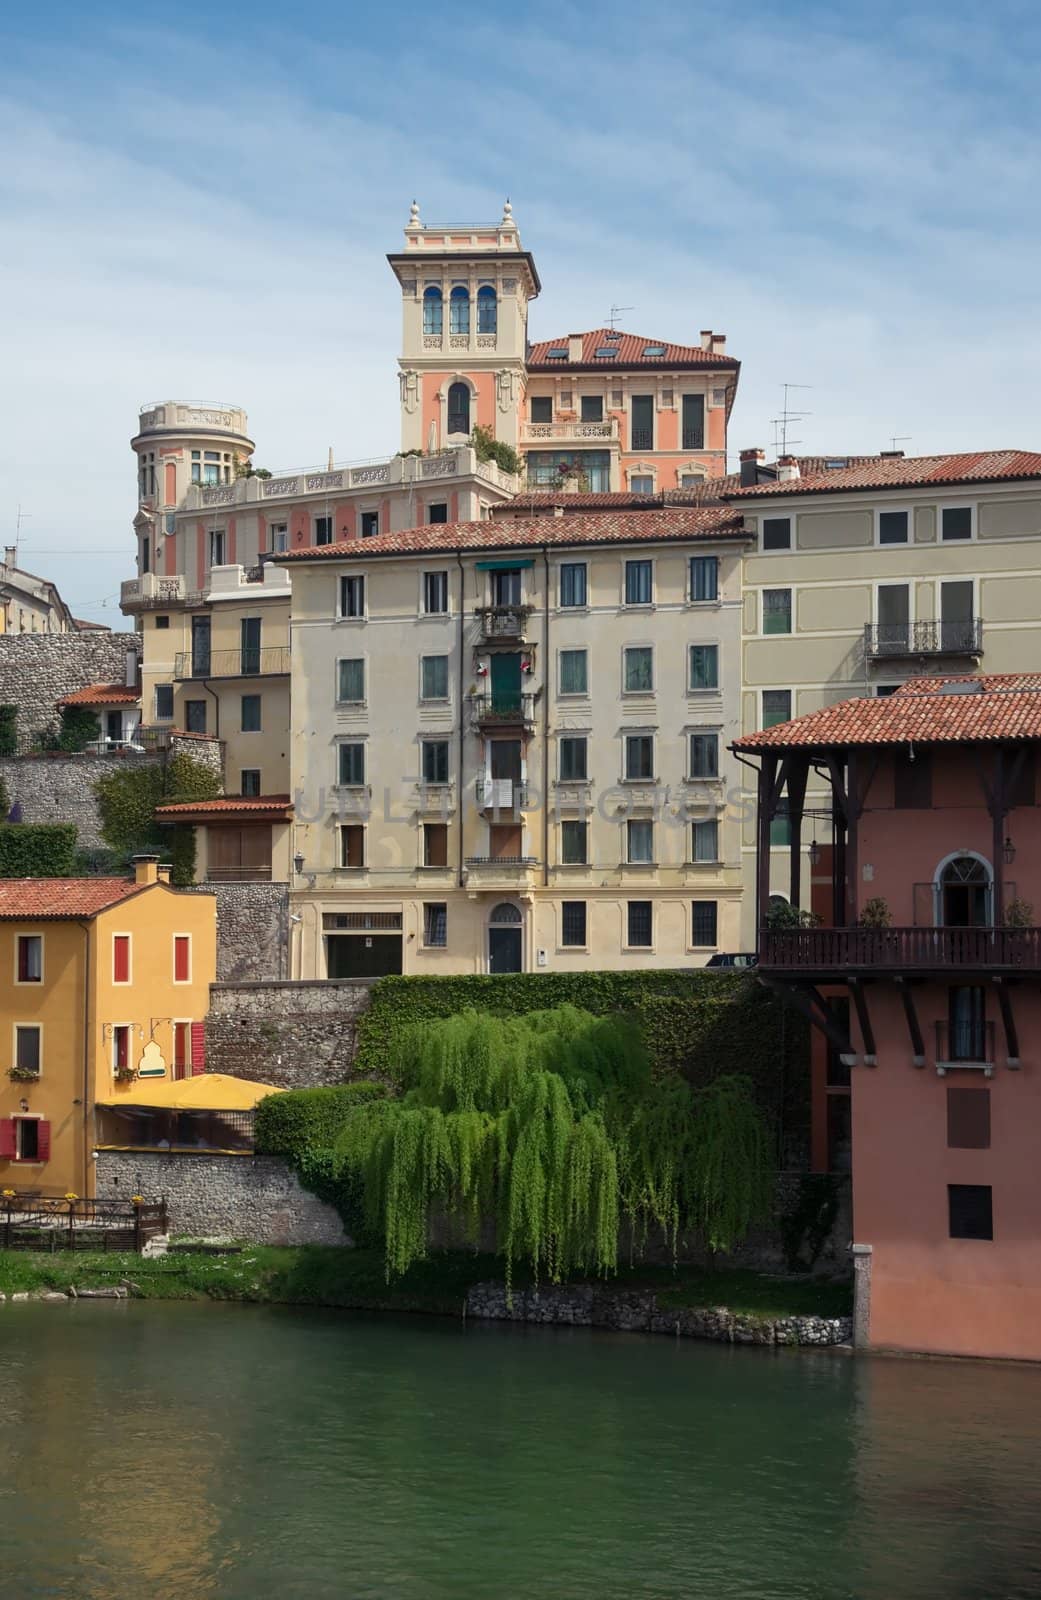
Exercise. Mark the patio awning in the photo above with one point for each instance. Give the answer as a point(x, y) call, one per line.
point(209, 1091)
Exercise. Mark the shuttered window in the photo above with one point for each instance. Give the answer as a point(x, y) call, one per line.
point(121, 958)
point(182, 1049)
point(198, 1031)
point(182, 958)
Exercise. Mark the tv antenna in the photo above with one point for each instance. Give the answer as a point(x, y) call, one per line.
point(781, 424)
point(899, 438)
point(20, 517)
point(614, 314)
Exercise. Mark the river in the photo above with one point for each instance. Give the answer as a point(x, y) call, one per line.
point(177, 1452)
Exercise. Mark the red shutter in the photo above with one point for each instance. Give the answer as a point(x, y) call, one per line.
point(198, 1048)
point(182, 957)
point(43, 1141)
point(121, 958)
point(8, 1142)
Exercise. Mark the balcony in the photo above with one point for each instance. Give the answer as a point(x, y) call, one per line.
point(824, 953)
point(500, 794)
point(905, 640)
point(150, 592)
point(570, 431)
point(503, 622)
point(502, 710)
point(266, 661)
point(260, 872)
point(643, 439)
point(693, 439)
point(500, 872)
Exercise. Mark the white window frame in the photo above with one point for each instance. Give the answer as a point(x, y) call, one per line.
point(971, 506)
point(908, 512)
point(352, 577)
point(777, 588)
point(365, 681)
point(436, 699)
point(639, 605)
point(181, 982)
point(30, 983)
point(281, 527)
point(432, 572)
point(776, 516)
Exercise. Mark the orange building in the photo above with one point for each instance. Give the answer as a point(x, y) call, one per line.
point(923, 976)
point(108, 983)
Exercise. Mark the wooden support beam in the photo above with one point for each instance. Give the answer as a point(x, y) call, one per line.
point(913, 1025)
point(997, 816)
point(805, 999)
point(767, 774)
point(852, 839)
point(798, 773)
point(1008, 1021)
point(867, 1033)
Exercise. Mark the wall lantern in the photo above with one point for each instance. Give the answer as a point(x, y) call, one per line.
point(814, 852)
point(1008, 851)
point(298, 863)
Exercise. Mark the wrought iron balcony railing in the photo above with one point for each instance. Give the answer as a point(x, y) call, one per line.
point(511, 708)
point(264, 661)
point(891, 639)
point(503, 622)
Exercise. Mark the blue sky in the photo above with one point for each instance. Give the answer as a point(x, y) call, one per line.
point(197, 202)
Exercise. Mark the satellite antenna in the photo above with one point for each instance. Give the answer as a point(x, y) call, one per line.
point(614, 314)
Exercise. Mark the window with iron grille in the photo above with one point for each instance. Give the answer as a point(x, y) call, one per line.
point(574, 758)
point(573, 843)
point(351, 764)
point(362, 921)
point(573, 923)
point(704, 755)
point(703, 921)
point(435, 924)
point(639, 924)
point(435, 760)
point(352, 597)
point(350, 686)
point(164, 707)
point(638, 578)
point(970, 1211)
point(704, 578)
point(249, 783)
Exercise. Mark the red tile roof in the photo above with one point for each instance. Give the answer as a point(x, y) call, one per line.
point(618, 527)
point(925, 711)
point(56, 898)
point(629, 352)
point(580, 500)
point(102, 694)
point(259, 807)
point(909, 472)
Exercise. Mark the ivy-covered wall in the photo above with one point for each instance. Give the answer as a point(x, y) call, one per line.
point(44, 851)
point(128, 795)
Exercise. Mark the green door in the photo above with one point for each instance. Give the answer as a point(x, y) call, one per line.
point(505, 678)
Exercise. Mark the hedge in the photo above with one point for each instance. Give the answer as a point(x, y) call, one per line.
point(37, 850)
point(301, 1128)
point(703, 1024)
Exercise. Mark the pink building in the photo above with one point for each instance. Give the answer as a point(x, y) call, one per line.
point(924, 979)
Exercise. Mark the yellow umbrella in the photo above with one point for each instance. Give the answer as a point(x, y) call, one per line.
point(210, 1091)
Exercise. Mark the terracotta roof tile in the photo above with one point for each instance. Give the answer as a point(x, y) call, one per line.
point(618, 527)
point(908, 472)
point(102, 694)
point(629, 352)
point(262, 805)
point(579, 500)
point(924, 711)
point(56, 898)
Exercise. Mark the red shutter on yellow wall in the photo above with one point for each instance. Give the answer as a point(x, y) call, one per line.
point(198, 1048)
point(43, 1141)
point(182, 958)
point(121, 958)
point(8, 1143)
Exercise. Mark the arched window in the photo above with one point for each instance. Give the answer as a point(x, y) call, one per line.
point(459, 311)
point(459, 408)
point(963, 893)
point(432, 310)
point(487, 310)
point(505, 915)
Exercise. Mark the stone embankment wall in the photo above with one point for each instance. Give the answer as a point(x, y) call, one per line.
point(234, 1197)
point(635, 1311)
point(37, 669)
point(56, 788)
point(252, 932)
point(295, 1035)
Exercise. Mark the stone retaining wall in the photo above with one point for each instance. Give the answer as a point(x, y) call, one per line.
point(252, 932)
point(37, 669)
point(635, 1311)
point(57, 788)
point(294, 1034)
point(236, 1197)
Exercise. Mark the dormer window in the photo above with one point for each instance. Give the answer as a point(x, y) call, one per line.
point(558, 353)
point(433, 310)
point(487, 309)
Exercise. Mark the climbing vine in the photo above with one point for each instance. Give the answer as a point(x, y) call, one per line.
point(553, 1125)
point(128, 796)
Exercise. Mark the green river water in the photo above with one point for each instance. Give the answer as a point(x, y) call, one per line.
point(169, 1452)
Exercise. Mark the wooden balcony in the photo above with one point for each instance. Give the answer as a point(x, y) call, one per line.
point(824, 953)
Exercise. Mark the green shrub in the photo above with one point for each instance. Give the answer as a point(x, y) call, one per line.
point(79, 727)
point(128, 796)
point(308, 1119)
point(37, 850)
point(487, 448)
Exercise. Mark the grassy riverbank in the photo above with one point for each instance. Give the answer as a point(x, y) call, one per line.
point(355, 1278)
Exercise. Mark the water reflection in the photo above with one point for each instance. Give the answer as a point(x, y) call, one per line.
point(237, 1453)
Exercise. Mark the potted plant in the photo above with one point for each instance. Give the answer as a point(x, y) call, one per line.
point(1019, 914)
point(23, 1075)
point(875, 913)
point(782, 914)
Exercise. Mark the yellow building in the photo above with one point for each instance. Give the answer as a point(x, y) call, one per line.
point(105, 979)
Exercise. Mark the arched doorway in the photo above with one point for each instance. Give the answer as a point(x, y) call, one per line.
point(505, 926)
point(458, 408)
point(963, 892)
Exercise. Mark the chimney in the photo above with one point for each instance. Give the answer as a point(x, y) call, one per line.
point(890, 455)
point(787, 469)
point(574, 347)
point(146, 869)
point(750, 461)
point(10, 555)
point(706, 338)
point(558, 511)
point(131, 670)
point(717, 343)
point(163, 871)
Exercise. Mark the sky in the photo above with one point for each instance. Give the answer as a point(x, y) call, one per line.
point(196, 203)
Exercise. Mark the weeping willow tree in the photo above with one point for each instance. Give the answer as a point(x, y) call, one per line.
point(551, 1125)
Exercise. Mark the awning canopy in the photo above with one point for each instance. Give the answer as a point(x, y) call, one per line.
point(505, 566)
point(209, 1091)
